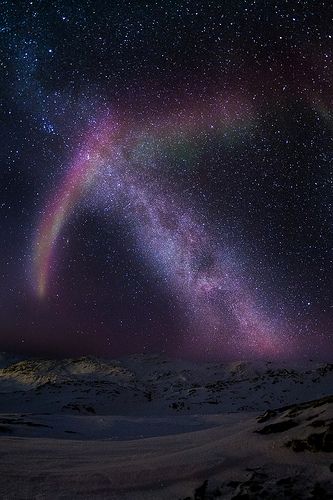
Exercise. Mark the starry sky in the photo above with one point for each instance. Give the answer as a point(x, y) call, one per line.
point(166, 178)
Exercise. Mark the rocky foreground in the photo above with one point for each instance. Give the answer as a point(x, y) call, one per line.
point(146, 427)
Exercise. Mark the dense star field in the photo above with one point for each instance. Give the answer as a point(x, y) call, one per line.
point(166, 178)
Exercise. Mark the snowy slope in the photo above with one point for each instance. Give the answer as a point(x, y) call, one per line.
point(147, 427)
point(153, 385)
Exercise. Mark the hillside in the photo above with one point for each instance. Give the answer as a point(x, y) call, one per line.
point(147, 427)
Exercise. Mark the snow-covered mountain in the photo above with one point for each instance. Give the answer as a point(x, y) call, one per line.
point(154, 385)
point(148, 427)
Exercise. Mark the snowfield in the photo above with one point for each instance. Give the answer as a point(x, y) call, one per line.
point(147, 427)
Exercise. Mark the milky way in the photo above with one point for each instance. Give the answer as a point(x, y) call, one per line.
point(222, 310)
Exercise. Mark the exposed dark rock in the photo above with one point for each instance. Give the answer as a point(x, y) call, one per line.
point(180, 405)
point(314, 442)
point(296, 445)
point(5, 430)
point(18, 421)
point(282, 426)
point(320, 493)
point(266, 416)
point(317, 423)
point(79, 408)
point(233, 484)
point(285, 481)
point(261, 486)
point(35, 424)
point(148, 396)
point(200, 493)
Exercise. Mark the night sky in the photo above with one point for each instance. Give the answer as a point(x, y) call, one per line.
point(166, 178)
